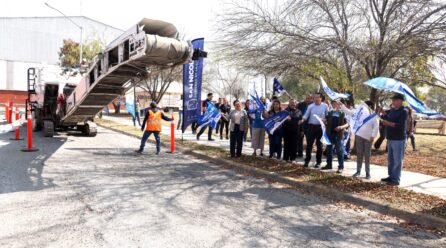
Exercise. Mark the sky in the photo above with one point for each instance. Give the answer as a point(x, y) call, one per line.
point(195, 18)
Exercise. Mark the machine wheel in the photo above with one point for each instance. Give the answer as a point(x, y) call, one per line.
point(90, 129)
point(37, 120)
point(48, 128)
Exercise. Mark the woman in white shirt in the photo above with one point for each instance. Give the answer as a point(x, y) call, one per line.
point(364, 137)
point(238, 119)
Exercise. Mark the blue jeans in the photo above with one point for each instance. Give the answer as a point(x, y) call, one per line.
point(337, 142)
point(146, 136)
point(136, 118)
point(395, 157)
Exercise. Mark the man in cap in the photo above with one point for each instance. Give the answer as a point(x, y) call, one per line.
point(395, 124)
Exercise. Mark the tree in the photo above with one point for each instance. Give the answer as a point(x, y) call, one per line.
point(348, 40)
point(158, 80)
point(225, 80)
point(437, 100)
point(69, 53)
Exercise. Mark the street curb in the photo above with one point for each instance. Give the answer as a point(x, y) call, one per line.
point(333, 194)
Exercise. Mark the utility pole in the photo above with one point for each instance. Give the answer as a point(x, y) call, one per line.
point(77, 25)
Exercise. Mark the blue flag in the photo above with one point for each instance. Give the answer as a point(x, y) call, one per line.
point(210, 117)
point(259, 105)
point(274, 122)
point(277, 87)
point(391, 84)
point(192, 79)
point(130, 102)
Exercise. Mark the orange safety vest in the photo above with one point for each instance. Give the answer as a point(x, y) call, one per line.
point(154, 121)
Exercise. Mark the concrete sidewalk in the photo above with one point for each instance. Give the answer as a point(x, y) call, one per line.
point(409, 180)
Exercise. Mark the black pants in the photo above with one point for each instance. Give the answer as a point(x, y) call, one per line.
point(275, 144)
point(382, 137)
point(194, 127)
point(236, 141)
point(290, 145)
point(224, 124)
point(209, 131)
point(218, 127)
point(300, 144)
point(314, 134)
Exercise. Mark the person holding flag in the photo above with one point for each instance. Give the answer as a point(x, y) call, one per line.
point(365, 127)
point(314, 132)
point(204, 106)
point(238, 125)
point(273, 124)
point(152, 118)
point(395, 122)
point(258, 126)
point(336, 125)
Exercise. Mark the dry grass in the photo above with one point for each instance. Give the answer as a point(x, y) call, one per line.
point(401, 198)
point(430, 159)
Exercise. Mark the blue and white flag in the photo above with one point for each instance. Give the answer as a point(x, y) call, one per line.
point(192, 79)
point(390, 84)
point(274, 122)
point(259, 106)
point(130, 102)
point(325, 140)
point(333, 95)
point(360, 117)
point(210, 117)
point(277, 87)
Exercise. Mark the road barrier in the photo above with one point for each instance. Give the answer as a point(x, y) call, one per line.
point(7, 112)
point(30, 147)
point(172, 136)
point(17, 129)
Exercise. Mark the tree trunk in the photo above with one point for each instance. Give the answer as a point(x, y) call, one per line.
point(117, 107)
point(374, 96)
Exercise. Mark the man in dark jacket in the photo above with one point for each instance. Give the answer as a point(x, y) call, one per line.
point(291, 130)
point(302, 106)
point(395, 123)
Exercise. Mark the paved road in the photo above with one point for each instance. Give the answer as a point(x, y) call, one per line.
point(409, 180)
point(93, 192)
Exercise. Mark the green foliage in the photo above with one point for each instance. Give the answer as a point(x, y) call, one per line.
point(69, 52)
point(299, 87)
point(437, 100)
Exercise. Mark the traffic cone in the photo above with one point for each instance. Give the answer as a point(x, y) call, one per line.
point(30, 147)
point(17, 129)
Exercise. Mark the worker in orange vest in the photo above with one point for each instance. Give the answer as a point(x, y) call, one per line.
point(152, 118)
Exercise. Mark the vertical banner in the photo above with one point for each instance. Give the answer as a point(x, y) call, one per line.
point(130, 102)
point(192, 77)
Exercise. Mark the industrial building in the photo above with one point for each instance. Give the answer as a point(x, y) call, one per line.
point(35, 42)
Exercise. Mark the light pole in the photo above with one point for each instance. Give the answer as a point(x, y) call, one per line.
point(77, 25)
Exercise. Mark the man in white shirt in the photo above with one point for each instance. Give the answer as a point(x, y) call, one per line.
point(314, 132)
point(364, 138)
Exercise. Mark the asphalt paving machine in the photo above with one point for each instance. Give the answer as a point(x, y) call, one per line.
point(57, 105)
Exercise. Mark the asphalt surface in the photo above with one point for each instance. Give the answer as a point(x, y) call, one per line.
point(94, 192)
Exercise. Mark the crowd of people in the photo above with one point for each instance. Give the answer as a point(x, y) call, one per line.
point(395, 125)
point(307, 121)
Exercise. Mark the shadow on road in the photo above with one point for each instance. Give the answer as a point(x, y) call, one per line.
point(22, 171)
